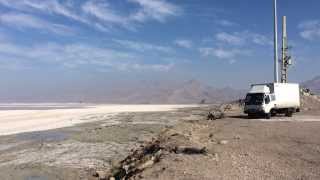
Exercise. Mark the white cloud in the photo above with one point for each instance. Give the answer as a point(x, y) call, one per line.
point(310, 30)
point(243, 38)
point(76, 55)
point(103, 12)
point(154, 9)
point(143, 67)
point(261, 40)
point(233, 39)
point(99, 14)
point(20, 20)
point(143, 47)
point(225, 54)
point(183, 43)
point(225, 23)
point(46, 6)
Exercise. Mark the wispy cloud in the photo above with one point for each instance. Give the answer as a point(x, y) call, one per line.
point(103, 12)
point(20, 20)
point(233, 46)
point(233, 39)
point(262, 40)
point(143, 47)
point(310, 30)
point(77, 55)
point(159, 10)
point(46, 6)
point(243, 38)
point(184, 43)
point(148, 67)
point(225, 23)
point(99, 14)
point(222, 53)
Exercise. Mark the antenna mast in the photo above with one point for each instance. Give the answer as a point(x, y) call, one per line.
point(276, 70)
point(286, 59)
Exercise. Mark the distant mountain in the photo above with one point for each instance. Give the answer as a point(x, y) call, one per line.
point(313, 85)
point(143, 92)
point(180, 93)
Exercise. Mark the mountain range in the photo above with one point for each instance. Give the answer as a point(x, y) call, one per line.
point(142, 92)
point(187, 92)
point(313, 85)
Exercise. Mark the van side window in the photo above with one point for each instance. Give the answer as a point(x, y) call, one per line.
point(273, 97)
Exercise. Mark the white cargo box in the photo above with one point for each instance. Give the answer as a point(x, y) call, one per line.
point(286, 94)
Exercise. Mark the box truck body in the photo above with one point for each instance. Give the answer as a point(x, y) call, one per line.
point(273, 98)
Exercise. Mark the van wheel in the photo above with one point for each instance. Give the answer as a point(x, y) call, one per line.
point(273, 113)
point(289, 113)
point(251, 116)
point(268, 116)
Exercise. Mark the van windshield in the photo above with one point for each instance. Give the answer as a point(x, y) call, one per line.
point(254, 99)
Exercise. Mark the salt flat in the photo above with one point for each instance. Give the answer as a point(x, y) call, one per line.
point(32, 119)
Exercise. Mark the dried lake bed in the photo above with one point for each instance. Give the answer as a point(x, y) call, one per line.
point(63, 141)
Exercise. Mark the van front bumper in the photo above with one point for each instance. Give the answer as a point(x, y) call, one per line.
point(254, 110)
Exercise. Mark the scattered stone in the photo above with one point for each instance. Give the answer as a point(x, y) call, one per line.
point(223, 142)
point(215, 156)
point(174, 134)
point(210, 135)
point(237, 137)
point(190, 150)
point(93, 172)
point(215, 114)
point(102, 175)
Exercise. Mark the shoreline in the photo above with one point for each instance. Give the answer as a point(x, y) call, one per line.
point(21, 121)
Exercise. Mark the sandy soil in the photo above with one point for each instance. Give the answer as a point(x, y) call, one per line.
point(240, 148)
point(65, 115)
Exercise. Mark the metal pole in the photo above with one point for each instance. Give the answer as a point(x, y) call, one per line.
point(276, 70)
point(284, 50)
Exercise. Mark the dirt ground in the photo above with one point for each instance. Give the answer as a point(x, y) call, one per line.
point(240, 148)
point(237, 147)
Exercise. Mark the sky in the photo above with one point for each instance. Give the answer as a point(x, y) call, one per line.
point(64, 44)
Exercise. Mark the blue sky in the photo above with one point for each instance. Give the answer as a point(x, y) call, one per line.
point(87, 43)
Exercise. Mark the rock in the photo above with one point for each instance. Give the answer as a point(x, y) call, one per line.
point(102, 175)
point(216, 156)
point(112, 178)
point(223, 142)
point(237, 137)
point(190, 150)
point(147, 164)
point(93, 172)
point(215, 114)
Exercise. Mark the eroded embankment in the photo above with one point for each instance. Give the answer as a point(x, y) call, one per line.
point(172, 140)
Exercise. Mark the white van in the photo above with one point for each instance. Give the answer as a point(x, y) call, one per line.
point(272, 98)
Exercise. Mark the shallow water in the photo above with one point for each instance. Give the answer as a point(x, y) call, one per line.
point(45, 136)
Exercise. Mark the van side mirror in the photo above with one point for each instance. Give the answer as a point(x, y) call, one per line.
point(267, 99)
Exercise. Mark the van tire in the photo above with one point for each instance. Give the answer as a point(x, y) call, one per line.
point(289, 112)
point(268, 116)
point(251, 116)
